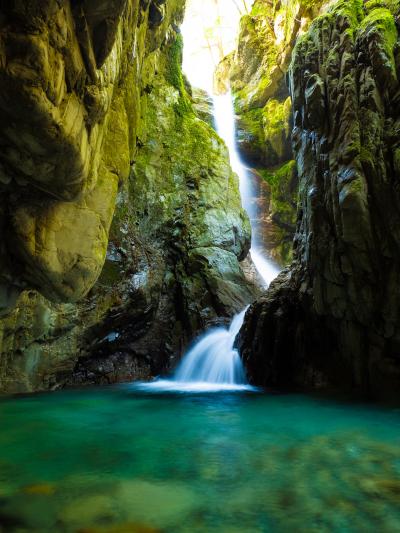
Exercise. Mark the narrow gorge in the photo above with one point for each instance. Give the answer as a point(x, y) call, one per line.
point(199, 266)
point(332, 318)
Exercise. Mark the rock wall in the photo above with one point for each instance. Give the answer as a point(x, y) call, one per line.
point(333, 318)
point(121, 219)
point(257, 72)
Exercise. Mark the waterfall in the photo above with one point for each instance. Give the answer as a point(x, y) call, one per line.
point(225, 122)
point(213, 363)
point(213, 359)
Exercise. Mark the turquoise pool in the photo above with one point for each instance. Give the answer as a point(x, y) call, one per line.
point(123, 460)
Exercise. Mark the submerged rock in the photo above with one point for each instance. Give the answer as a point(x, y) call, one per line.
point(134, 506)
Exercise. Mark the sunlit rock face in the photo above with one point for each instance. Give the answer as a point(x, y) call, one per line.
point(103, 161)
point(60, 68)
point(333, 317)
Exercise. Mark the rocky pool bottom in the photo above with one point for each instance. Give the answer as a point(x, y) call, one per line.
point(123, 460)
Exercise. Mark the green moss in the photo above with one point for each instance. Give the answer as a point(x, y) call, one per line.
point(352, 9)
point(276, 124)
point(173, 73)
point(365, 156)
point(381, 20)
point(392, 5)
point(284, 195)
point(251, 121)
point(259, 53)
point(279, 177)
point(183, 106)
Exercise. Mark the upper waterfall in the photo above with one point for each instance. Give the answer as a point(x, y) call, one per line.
point(225, 123)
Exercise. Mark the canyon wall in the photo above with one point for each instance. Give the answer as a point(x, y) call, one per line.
point(121, 219)
point(333, 318)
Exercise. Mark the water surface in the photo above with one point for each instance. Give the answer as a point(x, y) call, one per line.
point(124, 460)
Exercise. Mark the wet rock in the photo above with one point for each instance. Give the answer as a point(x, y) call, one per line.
point(332, 318)
point(157, 504)
point(156, 13)
point(222, 75)
point(87, 511)
point(203, 105)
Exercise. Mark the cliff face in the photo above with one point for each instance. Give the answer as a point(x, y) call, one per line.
point(105, 163)
point(333, 317)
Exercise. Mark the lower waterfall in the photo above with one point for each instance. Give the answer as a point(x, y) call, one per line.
point(212, 364)
point(213, 359)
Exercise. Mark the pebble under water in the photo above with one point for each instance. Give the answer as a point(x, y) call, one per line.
point(121, 460)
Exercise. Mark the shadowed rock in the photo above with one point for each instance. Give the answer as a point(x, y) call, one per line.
point(334, 317)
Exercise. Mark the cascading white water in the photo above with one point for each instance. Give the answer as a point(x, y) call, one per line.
point(225, 123)
point(212, 364)
point(213, 359)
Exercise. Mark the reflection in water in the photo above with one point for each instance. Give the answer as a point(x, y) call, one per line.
point(124, 460)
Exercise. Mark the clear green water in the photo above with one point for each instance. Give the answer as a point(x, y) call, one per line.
point(118, 460)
